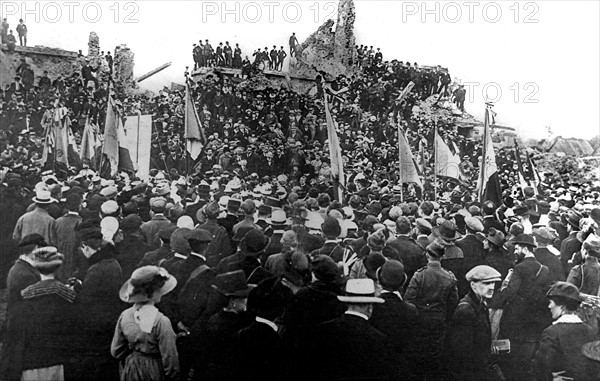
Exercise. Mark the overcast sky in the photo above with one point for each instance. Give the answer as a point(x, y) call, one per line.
point(543, 56)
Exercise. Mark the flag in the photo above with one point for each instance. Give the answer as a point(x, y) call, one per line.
point(488, 184)
point(408, 169)
point(335, 152)
point(117, 155)
point(536, 180)
point(447, 164)
point(194, 132)
point(90, 141)
point(60, 128)
point(520, 172)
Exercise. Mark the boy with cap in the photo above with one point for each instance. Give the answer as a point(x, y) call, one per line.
point(470, 333)
point(157, 223)
point(220, 246)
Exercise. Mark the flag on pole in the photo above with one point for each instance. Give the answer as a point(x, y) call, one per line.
point(520, 171)
point(114, 139)
point(536, 180)
point(488, 184)
point(409, 172)
point(447, 164)
point(60, 127)
point(90, 141)
point(335, 152)
point(194, 132)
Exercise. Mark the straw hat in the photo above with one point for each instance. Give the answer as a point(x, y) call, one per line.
point(146, 278)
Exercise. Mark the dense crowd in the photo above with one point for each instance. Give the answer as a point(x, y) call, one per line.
point(244, 264)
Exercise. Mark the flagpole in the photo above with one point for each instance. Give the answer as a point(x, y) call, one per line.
point(435, 153)
point(400, 162)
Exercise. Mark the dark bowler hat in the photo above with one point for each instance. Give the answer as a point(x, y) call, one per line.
point(526, 240)
point(232, 284)
point(33, 239)
point(572, 217)
point(199, 235)
point(391, 275)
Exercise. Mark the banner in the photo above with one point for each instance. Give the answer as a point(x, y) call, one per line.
point(335, 152)
point(138, 139)
point(488, 184)
point(90, 142)
point(194, 131)
point(408, 169)
point(447, 164)
point(117, 155)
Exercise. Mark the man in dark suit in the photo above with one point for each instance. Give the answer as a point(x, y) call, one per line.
point(525, 308)
point(331, 231)
point(547, 254)
point(349, 347)
point(395, 318)
point(259, 351)
point(471, 246)
point(411, 254)
point(571, 244)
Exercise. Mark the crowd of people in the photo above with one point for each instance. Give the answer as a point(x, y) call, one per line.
point(245, 264)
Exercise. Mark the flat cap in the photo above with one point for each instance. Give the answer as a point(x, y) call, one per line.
point(483, 273)
point(474, 224)
point(199, 235)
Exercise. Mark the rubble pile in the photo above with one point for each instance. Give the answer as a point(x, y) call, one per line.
point(123, 70)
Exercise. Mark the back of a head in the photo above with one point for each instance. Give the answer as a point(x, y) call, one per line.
point(73, 202)
point(426, 208)
point(403, 225)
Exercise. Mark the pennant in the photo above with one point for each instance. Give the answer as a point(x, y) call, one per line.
point(90, 141)
point(61, 127)
point(447, 164)
point(488, 184)
point(408, 170)
point(335, 152)
point(194, 131)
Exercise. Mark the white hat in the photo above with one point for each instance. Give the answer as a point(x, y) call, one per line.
point(360, 291)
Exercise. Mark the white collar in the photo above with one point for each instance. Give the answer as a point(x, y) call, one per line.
point(568, 319)
point(278, 231)
point(198, 255)
point(397, 293)
point(267, 322)
point(177, 255)
point(359, 314)
point(331, 241)
point(73, 213)
point(25, 258)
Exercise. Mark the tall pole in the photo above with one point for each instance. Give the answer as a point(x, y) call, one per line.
point(435, 150)
point(185, 121)
point(400, 162)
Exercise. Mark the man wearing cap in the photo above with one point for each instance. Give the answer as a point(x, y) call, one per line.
point(395, 318)
point(22, 273)
point(411, 253)
point(220, 246)
point(470, 333)
point(65, 229)
point(523, 300)
point(248, 208)
point(572, 243)
point(38, 221)
point(433, 291)
point(547, 254)
point(164, 252)
point(157, 223)
point(349, 347)
point(586, 277)
point(131, 250)
point(489, 219)
point(231, 218)
point(277, 225)
point(471, 246)
point(560, 351)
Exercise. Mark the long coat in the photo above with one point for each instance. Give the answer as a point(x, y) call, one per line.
point(470, 339)
point(68, 243)
point(560, 350)
point(411, 254)
point(349, 348)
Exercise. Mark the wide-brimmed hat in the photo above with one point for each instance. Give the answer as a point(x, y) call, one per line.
point(525, 239)
point(43, 197)
point(232, 284)
point(146, 278)
point(254, 242)
point(446, 231)
point(360, 291)
point(496, 237)
point(564, 290)
point(47, 257)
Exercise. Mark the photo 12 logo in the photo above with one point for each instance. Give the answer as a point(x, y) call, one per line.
point(268, 11)
point(469, 11)
point(492, 91)
point(71, 11)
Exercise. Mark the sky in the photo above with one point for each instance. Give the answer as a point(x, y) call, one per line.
point(539, 61)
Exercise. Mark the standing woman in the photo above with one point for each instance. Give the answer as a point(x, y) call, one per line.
point(559, 353)
point(144, 339)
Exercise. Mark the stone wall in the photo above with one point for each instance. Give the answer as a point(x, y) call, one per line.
point(329, 51)
point(55, 61)
point(123, 70)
